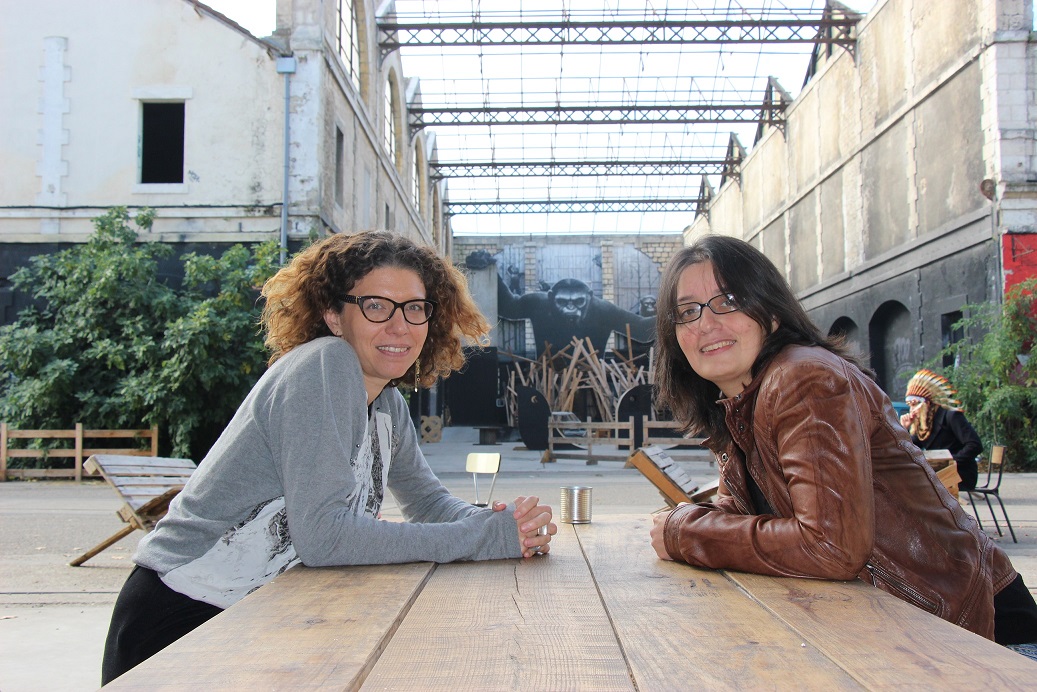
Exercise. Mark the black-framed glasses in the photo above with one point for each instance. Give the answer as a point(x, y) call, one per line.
point(691, 311)
point(381, 309)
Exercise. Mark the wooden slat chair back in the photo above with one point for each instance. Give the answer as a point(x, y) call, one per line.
point(673, 482)
point(145, 484)
point(992, 488)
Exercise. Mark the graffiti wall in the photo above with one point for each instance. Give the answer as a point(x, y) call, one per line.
point(549, 294)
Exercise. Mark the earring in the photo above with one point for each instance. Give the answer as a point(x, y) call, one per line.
point(417, 365)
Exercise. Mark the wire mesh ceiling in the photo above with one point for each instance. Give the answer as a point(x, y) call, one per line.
point(599, 117)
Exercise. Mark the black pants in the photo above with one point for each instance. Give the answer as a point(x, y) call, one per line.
point(148, 617)
point(1015, 614)
point(969, 473)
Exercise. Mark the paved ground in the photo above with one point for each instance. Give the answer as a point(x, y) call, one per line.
point(53, 618)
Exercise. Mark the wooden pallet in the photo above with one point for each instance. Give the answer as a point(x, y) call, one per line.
point(77, 452)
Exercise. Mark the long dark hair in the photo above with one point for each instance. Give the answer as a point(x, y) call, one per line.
point(761, 293)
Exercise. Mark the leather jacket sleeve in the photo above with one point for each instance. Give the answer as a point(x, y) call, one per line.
point(807, 446)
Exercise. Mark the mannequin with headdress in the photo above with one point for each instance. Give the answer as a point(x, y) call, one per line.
point(936, 421)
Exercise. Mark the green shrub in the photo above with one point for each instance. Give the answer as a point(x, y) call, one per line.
point(108, 345)
point(995, 376)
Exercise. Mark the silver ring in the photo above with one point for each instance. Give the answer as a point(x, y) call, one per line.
point(542, 531)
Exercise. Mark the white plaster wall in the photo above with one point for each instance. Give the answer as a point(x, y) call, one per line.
point(114, 55)
point(92, 64)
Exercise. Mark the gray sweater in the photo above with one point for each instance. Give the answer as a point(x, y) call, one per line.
point(298, 476)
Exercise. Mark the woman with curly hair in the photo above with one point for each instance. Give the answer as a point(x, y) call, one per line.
point(300, 472)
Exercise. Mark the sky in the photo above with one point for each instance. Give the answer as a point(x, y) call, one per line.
point(545, 76)
point(258, 16)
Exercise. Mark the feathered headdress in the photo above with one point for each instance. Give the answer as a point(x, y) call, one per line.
point(934, 388)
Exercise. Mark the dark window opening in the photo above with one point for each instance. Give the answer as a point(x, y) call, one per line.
point(162, 143)
point(340, 155)
point(950, 333)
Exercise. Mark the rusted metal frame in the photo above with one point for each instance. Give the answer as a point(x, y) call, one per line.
point(421, 117)
point(837, 30)
point(574, 206)
point(515, 169)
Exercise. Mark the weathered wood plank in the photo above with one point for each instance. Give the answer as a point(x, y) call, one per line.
point(290, 634)
point(533, 624)
point(679, 623)
point(146, 497)
point(891, 643)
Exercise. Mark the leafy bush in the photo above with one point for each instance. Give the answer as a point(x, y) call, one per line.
point(108, 345)
point(995, 376)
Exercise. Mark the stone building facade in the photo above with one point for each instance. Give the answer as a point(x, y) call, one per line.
point(229, 137)
point(903, 186)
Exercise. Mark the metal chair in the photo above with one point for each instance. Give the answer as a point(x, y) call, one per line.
point(997, 459)
point(483, 462)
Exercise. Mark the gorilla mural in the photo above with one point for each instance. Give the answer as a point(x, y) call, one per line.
point(569, 309)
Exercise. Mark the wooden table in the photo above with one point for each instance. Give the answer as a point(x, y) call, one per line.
point(946, 470)
point(601, 612)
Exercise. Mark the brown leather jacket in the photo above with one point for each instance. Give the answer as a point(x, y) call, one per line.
point(851, 496)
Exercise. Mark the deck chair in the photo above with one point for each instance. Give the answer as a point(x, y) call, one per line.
point(672, 481)
point(146, 484)
point(992, 488)
point(483, 462)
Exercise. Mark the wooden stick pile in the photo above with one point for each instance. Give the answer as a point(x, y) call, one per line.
point(560, 376)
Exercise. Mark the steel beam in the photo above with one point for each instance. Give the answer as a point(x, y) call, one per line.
point(518, 169)
point(572, 206)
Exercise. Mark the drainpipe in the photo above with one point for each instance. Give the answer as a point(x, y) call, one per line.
point(286, 66)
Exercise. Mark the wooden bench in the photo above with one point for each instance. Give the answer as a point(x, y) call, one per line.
point(673, 482)
point(146, 484)
point(664, 433)
point(601, 434)
point(78, 452)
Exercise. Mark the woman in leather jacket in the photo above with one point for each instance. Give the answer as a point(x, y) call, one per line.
point(818, 477)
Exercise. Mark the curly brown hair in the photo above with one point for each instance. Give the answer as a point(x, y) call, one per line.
point(318, 278)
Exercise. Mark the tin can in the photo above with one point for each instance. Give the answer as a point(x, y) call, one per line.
point(576, 504)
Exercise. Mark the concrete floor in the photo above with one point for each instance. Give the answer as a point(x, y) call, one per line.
point(53, 618)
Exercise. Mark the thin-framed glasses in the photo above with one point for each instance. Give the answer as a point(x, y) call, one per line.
point(381, 309)
point(691, 311)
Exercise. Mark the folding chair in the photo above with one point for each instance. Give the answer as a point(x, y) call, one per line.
point(997, 458)
point(672, 481)
point(483, 462)
point(146, 485)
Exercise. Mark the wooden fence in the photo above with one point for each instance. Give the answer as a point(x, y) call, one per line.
point(77, 452)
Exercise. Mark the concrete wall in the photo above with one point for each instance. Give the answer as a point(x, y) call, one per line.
point(871, 197)
point(74, 77)
point(75, 74)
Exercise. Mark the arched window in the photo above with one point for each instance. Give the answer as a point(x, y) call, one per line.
point(437, 218)
point(891, 335)
point(348, 38)
point(418, 182)
point(390, 124)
